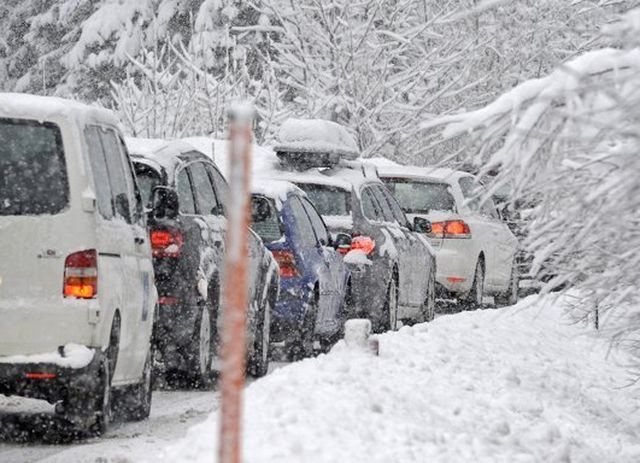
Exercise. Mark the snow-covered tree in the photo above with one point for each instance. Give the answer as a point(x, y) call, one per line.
point(569, 144)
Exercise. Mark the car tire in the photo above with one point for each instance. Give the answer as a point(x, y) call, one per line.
point(428, 308)
point(258, 363)
point(474, 298)
point(510, 297)
point(201, 351)
point(134, 402)
point(301, 346)
point(389, 320)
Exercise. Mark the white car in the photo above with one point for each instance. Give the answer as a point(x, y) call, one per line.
point(77, 291)
point(475, 250)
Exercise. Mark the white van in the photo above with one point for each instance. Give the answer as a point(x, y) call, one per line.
point(77, 292)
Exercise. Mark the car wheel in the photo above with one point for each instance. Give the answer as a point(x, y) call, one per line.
point(390, 313)
point(428, 308)
point(201, 358)
point(510, 297)
point(301, 346)
point(474, 298)
point(258, 364)
point(134, 403)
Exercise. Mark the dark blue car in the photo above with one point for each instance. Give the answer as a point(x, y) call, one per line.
point(314, 281)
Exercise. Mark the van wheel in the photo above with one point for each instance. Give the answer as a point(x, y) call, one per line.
point(201, 358)
point(474, 298)
point(301, 346)
point(428, 308)
point(134, 403)
point(389, 320)
point(258, 364)
point(510, 297)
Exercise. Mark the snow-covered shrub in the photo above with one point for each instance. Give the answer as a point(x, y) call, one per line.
point(569, 143)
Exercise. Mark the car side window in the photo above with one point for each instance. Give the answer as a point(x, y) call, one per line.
point(369, 207)
point(469, 192)
point(317, 223)
point(379, 195)
point(397, 211)
point(121, 189)
point(489, 209)
point(185, 193)
point(138, 207)
point(100, 173)
point(205, 196)
point(305, 229)
point(220, 185)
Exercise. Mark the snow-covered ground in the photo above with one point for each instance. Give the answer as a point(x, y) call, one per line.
point(520, 384)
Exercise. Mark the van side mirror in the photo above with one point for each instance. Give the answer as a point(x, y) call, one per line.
point(165, 203)
point(421, 225)
point(342, 243)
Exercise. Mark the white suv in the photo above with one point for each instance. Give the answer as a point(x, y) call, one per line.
point(475, 250)
point(77, 292)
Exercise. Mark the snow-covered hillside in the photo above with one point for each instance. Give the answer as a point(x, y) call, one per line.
point(519, 384)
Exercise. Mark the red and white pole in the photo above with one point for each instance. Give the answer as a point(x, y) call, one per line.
point(236, 288)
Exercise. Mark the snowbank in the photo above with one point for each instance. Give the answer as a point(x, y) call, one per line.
point(515, 385)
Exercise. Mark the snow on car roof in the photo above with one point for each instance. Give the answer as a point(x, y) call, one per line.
point(388, 168)
point(316, 136)
point(277, 190)
point(22, 105)
point(163, 152)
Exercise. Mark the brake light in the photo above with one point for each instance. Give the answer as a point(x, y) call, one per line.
point(450, 229)
point(363, 243)
point(166, 243)
point(287, 262)
point(38, 375)
point(81, 275)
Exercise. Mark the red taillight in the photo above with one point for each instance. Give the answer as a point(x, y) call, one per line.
point(166, 243)
point(168, 300)
point(450, 229)
point(81, 275)
point(38, 375)
point(287, 263)
point(363, 243)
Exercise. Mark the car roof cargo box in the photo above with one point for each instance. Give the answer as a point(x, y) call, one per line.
point(305, 143)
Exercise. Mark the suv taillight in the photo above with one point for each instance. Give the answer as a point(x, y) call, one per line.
point(287, 262)
point(363, 243)
point(166, 242)
point(81, 275)
point(450, 229)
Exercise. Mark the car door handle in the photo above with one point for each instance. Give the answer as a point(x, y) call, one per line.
point(138, 240)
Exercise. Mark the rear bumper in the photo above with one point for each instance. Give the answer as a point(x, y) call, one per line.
point(51, 382)
point(455, 265)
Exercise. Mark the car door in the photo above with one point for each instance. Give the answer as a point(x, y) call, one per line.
point(504, 244)
point(117, 253)
point(401, 241)
point(335, 276)
point(482, 229)
point(308, 248)
point(417, 257)
point(211, 221)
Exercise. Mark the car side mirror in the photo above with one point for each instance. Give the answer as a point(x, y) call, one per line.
point(342, 243)
point(165, 203)
point(421, 225)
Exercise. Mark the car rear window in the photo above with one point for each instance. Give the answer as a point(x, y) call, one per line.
point(421, 197)
point(264, 219)
point(328, 200)
point(148, 178)
point(33, 174)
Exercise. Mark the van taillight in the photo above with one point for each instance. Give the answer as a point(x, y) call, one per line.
point(166, 243)
point(81, 275)
point(450, 229)
point(287, 262)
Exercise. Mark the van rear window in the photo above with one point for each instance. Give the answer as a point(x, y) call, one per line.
point(33, 174)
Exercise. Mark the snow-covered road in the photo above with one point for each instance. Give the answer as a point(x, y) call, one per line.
point(172, 414)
